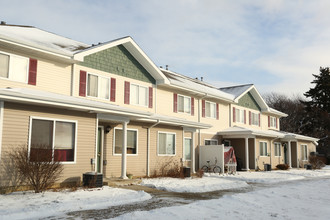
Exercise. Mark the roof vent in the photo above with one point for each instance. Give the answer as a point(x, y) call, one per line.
point(166, 67)
point(202, 78)
point(3, 23)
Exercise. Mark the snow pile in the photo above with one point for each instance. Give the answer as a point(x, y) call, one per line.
point(196, 185)
point(20, 205)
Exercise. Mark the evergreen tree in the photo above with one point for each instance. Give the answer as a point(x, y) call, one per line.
point(317, 120)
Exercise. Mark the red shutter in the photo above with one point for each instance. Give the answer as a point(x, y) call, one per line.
point(127, 92)
point(33, 72)
point(250, 118)
point(217, 106)
point(259, 120)
point(113, 90)
point(192, 105)
point(268, 121)
point(203, 108)
point(175, 102)
point(82, 83)
point(234, 115)
point(244, 116)
point(150, 97)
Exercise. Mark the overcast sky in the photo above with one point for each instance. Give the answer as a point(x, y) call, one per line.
point(276, 45)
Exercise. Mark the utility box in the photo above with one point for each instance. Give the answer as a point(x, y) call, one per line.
point(186, 171)
point(267, 167)
point(93, 179)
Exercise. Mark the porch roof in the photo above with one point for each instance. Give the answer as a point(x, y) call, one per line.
point(241, 131)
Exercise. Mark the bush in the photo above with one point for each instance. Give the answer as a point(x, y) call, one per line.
point(200, 173)
point(37, 169)
point(282, 166)
point(315, 162)
point(169, 168)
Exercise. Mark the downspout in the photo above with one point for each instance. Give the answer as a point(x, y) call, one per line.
point(148, 146)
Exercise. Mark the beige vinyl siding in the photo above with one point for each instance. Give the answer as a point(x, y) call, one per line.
point(217, 125)
point(52, 76)
point(120, 81)
point(16, 133)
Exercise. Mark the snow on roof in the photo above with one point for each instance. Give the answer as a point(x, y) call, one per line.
point(34, 37)
point(196, 85)
point(236, 90)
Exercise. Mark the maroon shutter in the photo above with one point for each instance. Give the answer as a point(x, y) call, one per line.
point(113, 90)
point(244, 116)
point(192, 105)
point(203, 108)
point(33, 72)
point(250, 118)
point(234, 115)
point(82, 83)
point(268, 121)
point(127, 92)
point(259, 119)
point(217, 106)
point(175, 102)
point(150, 97)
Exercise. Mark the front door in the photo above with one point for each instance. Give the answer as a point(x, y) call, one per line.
point(99, 150)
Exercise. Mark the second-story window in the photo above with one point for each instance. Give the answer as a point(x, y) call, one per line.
point(254, 119)
point(139, 95)
point(98, 86)
point(239, 115)
point(14, 67)
point(184, 104)
point(272, 122)
point(210, 109)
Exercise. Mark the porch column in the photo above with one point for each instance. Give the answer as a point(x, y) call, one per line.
point(255, 154)
point(247, 153)
point(193, 152)
point(289, 153)
point(124, 152)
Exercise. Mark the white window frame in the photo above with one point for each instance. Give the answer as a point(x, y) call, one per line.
point(304, 152)
point(185, 99)
point(228, 141)
point(215, 140)
point(11, 64)
point(98, 86)
point(239, 115)
point(215, 109)
point(184, 141)
point(265, 149)
point(166, 155)
point(137, 142)
point(255, 118)
point(147, 95)
point(277, 149)
point(272, 121)
point(53, 135)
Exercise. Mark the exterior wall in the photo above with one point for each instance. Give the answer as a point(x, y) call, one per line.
point(16, 122)
point(277, 159)
point(261, 160)
point(52, 76)
point(310, 148)
point(120, 92)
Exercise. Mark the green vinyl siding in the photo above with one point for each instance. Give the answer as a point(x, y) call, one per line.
point(248, 101)
point(118, 60)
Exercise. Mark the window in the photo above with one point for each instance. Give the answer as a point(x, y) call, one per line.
point(98, 86)
point(210, 109)
point(131, 141)
point(138, 95)
point(263, 148)
point(277, 149)
point(184, 104)
point(254, 119)
point(304, 152)
point(239, 115)
point(187, 148)
point(227, 143)
point(52, 140)
point(166, 144)
point(272, 122)
point(211, 142)
point(14, 67)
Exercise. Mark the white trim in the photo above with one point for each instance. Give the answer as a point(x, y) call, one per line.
point(184, 148)
point(98, 86)
point(275, 149)
point(166, 155)
point(266, 149)
point(130, 94)
point(10, 67)
point(301, 150)
point(215, 109)
point(54, 129)
point(114, 142)
point(1, 124)
point(184, 112)
point(210, 139)
point(102, 148)
point(95, 151)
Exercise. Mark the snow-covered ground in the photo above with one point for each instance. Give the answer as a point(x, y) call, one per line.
point(294, 199)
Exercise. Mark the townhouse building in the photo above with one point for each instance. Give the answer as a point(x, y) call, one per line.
point(108, 108)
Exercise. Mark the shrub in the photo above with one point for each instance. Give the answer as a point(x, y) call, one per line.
point(200, 173)
point(41, 172)
point(282, 166)
point(315, 162)
point(169, 168)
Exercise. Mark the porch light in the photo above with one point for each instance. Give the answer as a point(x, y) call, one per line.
point(107, 129)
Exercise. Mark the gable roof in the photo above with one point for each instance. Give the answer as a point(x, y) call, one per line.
point(133, 48)
point(196, 86)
